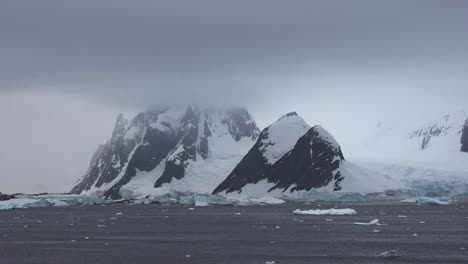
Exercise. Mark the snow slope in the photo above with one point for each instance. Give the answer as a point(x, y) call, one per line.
point(281, 136)
point(424, 156)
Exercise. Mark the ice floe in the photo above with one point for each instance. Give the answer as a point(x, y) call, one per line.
point(388, 254)
point(434, 201)
point(346, 211)
point(266, 200)
point(373, 222)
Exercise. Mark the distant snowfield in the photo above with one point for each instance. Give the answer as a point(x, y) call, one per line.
point(391, 155)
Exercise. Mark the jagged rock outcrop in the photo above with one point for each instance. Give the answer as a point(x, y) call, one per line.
point(443, 135)
point(6, 197)
point(288, 155)
point(426, 134)
point(464, 137)
point(175, 138)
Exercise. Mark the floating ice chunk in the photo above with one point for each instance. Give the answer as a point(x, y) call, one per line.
point(267, 200)
point(402, 216)
point(332, 211)
point(388, 254)
point(373, 222)
point(434, 201)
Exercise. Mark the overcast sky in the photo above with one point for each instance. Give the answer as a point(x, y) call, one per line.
point(68, 67)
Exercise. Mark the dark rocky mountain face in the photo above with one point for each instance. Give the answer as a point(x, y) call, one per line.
point(149, 139)
point(240, 124)
point(313, 162)
point(256, 166)
point(154, 148)
point(6, 197)
point(194, 133)
point(110, 159)
point(186, 148)
point(464, 137)
point(252, 168)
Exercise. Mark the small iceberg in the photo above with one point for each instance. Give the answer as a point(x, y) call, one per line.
point(266, 200)
point(388, 254)
point(434, 201)
point(373, 222)
point(332, 211)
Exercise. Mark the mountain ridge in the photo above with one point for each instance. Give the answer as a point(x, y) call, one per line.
point(172, 136)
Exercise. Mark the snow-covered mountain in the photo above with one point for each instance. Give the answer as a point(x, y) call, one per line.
point(190, 148)
point(207, 150)
point(288, 155)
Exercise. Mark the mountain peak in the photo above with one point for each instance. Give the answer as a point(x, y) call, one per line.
point(164, 142)
point(288, 115)
point(288, 155)
point(280, 137)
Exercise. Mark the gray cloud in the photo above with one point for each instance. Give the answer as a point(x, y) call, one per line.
point(148, 52)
